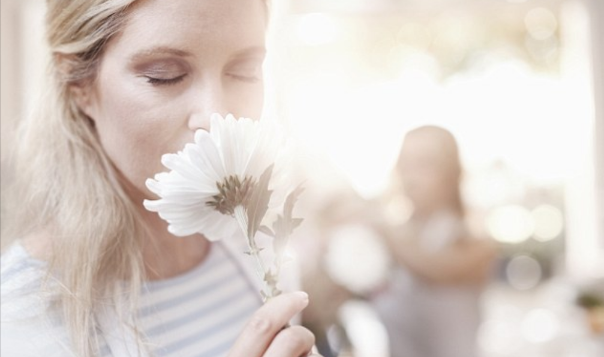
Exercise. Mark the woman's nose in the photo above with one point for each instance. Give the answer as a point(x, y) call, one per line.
point(205, 102)
point(199, 120)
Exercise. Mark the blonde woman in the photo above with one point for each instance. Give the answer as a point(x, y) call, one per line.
point(92, 273)
point(431, 307)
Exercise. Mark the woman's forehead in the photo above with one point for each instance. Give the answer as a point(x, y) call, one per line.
point(208, 25)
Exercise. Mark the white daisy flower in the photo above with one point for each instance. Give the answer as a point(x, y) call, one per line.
point(217, 173)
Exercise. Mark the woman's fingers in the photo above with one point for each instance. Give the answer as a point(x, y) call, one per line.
point(266, 323)
point(293, 341)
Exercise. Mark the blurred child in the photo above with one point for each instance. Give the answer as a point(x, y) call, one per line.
point(431, 305)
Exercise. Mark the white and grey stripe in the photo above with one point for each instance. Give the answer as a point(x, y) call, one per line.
point(197, 314)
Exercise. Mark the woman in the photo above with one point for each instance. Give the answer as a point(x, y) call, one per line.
point(94, 274)
point(431, 307)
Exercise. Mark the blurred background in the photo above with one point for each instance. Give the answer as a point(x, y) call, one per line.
point(519, 83)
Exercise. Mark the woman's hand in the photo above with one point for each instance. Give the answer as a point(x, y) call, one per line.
point(265, 335)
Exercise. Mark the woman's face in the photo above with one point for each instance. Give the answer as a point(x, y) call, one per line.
point(174, 63)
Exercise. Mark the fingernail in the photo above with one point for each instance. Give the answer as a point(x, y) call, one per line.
point(303, 296)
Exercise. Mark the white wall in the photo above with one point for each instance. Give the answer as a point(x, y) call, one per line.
point(597, 15)
point(9, 71)
point(22, 66)
point(24, 58)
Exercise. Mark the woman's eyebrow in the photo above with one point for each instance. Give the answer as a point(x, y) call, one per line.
point(161, 50)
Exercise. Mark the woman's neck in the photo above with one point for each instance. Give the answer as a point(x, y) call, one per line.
point(165, 255)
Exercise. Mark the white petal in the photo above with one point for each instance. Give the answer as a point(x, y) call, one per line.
point(204, 157)
point(150, 205)
point(207, 155)
point(153, 186)
point(184, 168)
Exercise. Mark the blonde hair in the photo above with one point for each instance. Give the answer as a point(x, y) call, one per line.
point(67, 186)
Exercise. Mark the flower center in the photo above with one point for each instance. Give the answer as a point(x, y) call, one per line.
point(232, 192)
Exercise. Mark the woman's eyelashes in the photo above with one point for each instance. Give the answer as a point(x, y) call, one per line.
point(247, 70)
point(163, 71)
point(164, 81)
point(249, 78)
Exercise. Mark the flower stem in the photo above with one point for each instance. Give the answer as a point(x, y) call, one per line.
point(241, 217)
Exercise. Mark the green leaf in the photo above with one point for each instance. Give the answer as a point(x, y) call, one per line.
point(258, 203)
point(279, 227)
point(290, 201)
point(281, 234)
point(285, 225)
point(270, 278)
point(296, 222)
point(267, 231)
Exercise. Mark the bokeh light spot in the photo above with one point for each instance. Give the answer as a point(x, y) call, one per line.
point(510, 224)
point(548, 222)
point(539, 325)
point(540, 23)
point(523, 272)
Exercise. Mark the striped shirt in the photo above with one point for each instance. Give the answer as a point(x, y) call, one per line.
point(199, 313)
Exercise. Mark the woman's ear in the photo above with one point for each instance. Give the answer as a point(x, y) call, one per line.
point(79, 85)
point(82, 94)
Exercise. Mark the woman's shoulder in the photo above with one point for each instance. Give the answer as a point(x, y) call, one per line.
point(23, 267)
point(22, 278)
point(18, 266)
point(29, 321)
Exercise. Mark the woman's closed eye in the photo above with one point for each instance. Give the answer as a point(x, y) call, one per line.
point(162, 72)
point(248, 70)
point(158, 80)
point(253, 76)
